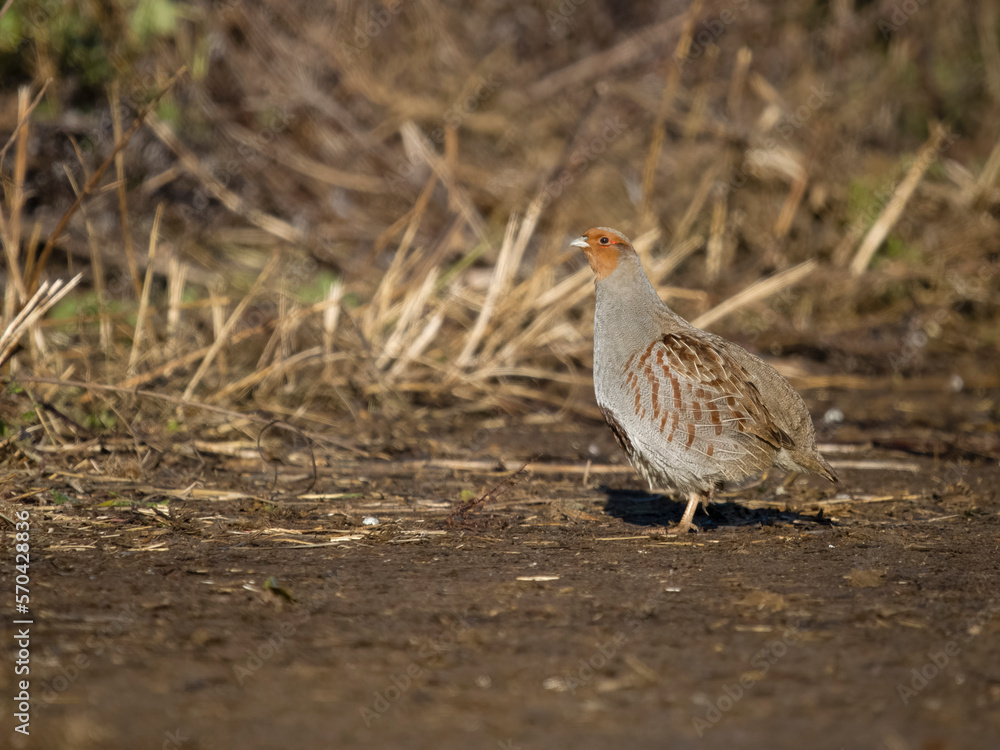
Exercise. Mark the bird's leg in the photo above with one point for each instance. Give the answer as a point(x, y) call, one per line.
point(708, 498)
point(790, 480)
point(686, 524)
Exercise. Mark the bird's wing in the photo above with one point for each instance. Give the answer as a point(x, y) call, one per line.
point(689, 390)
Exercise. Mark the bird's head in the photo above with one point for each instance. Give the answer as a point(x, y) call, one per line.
point(604, 249)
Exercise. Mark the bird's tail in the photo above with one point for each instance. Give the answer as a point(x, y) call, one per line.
point(815, 463)
point(824, 469)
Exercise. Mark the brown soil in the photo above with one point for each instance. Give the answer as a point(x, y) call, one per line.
point(551, 615)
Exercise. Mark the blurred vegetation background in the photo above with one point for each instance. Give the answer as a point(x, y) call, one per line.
point(360, 210)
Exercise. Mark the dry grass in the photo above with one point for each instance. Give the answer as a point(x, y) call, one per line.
point(330, 225)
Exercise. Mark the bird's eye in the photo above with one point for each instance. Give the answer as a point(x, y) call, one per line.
point(605, 240)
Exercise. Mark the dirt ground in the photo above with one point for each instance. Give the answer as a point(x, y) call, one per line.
point(553, 614)
point(320, 209)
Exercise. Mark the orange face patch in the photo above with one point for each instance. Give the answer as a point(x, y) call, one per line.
point(603, 259)
point(603, 248)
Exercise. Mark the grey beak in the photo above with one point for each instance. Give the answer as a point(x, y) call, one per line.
point(580, 243)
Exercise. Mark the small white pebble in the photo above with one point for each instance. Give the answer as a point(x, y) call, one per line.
point(483, 681)
point(833, 416)
point(370, 521)
point(555, 683)
point(955, 383)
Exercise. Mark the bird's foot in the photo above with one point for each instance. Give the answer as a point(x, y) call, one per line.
point(687, 520)
point(683, 527)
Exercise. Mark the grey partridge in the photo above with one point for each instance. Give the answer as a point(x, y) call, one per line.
point(691, 410)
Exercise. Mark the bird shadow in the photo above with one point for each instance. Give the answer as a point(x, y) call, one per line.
point(655, 510)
